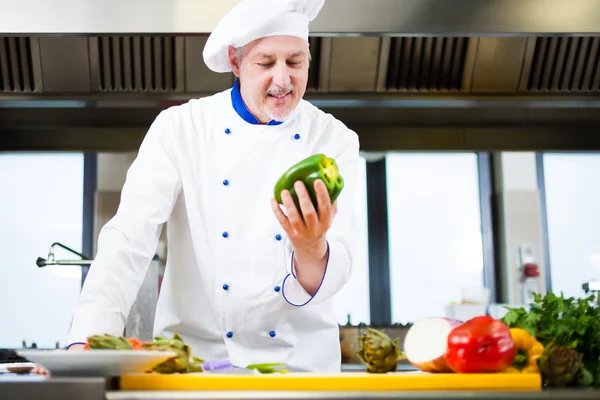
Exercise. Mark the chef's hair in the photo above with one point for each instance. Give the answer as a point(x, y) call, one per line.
point(239, 53)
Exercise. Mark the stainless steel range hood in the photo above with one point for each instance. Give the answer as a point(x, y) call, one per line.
point(387, 17)
point(152, 49)
point(110, 68)
point(89, 75)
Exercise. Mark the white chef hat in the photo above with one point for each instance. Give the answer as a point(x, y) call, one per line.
point(254, 19)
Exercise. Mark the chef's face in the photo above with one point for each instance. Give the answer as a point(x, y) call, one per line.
point(273, 74)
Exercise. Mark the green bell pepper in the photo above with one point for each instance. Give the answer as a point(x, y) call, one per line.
point(308, 171)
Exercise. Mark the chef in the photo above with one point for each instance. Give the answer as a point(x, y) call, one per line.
point(247, 280)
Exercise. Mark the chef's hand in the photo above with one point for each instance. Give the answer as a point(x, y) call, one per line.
point(306, 229)
point(40, 370)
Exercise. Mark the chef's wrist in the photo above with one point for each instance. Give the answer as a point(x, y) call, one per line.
point(313, 252)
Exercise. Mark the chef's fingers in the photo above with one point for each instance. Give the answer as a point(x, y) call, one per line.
point(283, 220)
point(293, 214)
point(38, 369)
point(309, 214)
point(324, 202)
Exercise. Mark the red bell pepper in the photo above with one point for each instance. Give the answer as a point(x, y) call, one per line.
point(135, 343)
point(481, 344)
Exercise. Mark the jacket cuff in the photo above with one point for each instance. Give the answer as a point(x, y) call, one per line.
point(336, 274)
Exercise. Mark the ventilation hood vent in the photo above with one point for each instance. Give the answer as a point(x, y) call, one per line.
point(136, 64)
point(16, 65)
point(565, 64)
point(171, 67)
point(435, 74)
point(426, 64)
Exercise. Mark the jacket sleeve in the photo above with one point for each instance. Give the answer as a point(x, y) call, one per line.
point(341, 237)
point(127, 243)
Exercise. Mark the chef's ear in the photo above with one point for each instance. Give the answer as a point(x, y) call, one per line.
point(235, 59)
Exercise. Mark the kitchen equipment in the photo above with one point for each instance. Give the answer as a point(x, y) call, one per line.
point(10, 356)
point(349, 343)
point(347, 381)
point(140, 321)
point(464, 312)
point(474, 302)
point(592, 286)
point(43, 262)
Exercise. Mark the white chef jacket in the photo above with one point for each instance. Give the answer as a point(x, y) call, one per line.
point(229, 290)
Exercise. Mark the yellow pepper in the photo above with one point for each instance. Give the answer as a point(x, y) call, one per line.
point(529, 351)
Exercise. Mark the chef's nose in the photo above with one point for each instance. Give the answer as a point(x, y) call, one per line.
point(281, 75)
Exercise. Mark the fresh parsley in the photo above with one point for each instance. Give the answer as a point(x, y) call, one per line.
point(571, 322)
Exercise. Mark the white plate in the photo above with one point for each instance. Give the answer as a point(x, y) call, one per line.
point(96, 362)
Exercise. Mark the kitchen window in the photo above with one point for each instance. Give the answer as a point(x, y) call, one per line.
point(41, 203)
point(572, 194)
point(435, 236)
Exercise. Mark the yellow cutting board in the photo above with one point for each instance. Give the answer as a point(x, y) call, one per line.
point(360, 381)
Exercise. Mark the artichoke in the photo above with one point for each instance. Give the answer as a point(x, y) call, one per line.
point(559, 365)
point(182, 362)
point(378, 352)
point(107, 341)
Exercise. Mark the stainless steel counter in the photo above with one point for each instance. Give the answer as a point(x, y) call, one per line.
point(439, 395)
point(34, 387)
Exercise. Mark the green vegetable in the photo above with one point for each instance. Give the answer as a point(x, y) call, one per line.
point(308, 171)
point(570, 322)
point(108, 341)
point(584, 377)
point(378, 352)
point(269, 368)
point(183, 362)
point(559, 365)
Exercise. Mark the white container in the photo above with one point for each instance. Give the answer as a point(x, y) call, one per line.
point(464, 312)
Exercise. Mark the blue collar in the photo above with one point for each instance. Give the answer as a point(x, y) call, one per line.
point(238, 105)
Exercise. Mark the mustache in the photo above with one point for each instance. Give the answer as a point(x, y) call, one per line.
point(280, 90)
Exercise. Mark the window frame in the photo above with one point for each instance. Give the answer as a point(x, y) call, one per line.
point(90, 184)
point(378, 228)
